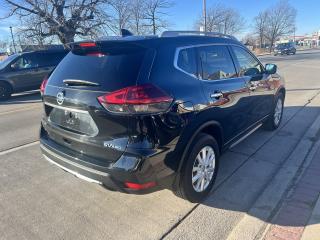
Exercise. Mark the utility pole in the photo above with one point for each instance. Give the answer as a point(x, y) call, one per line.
point(14, 45)
point(205, 15)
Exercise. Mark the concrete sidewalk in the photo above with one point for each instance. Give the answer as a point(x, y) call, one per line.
point(299, 214)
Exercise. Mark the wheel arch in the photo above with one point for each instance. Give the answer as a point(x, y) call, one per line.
point(212, 128)
point(281, 90)
point(8, 83)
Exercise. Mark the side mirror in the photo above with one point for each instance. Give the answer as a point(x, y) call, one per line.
point(271, 68)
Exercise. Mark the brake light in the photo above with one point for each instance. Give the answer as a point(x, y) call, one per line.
point(137, 186)
point(87, 44)
point(145, 98)
point(43, 85)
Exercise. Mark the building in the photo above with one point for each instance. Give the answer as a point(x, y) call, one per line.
point(308, 40)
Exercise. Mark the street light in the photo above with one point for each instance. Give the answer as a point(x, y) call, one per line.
point(14, 45)
point(205, 15)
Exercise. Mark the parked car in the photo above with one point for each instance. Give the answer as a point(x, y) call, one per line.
point(139, 114)
point(285, 48)
point(25, 71)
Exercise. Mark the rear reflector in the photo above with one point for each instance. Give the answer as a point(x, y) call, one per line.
point(145, 98)
point(137, 186)
point(87, 44)
point(43, 85)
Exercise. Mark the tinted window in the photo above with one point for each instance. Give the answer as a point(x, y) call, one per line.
point(116, 69)
point(249, 66)
point(50, 59)
point(187, 61)
point(26, 61)
point(216, 63)
point(285, 45)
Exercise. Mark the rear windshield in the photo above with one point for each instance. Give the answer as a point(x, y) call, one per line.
point(115, 69)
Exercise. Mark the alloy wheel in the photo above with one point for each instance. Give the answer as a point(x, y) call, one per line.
point(278, 112)
point(2, 91)
point(203, 169)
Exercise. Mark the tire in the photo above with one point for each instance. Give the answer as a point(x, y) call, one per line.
point(5, 91)
point(186, 188)
point(275, 117)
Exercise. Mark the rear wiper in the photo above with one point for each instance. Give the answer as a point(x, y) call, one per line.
point(75, 82)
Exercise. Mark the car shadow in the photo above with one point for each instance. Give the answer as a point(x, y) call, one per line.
point(23, 98)
point(247, 170)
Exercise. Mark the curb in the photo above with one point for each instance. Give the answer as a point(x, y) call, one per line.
point(266, 205)
point(298, 50)
point(312, 230)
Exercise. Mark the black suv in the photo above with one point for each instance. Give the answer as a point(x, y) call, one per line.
point(138, 114)
point(285, 48)
point(25, 71)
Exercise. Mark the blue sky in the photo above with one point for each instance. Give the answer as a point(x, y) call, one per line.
point(185, 12)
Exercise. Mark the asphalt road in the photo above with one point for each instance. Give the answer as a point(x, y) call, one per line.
point(40, 201)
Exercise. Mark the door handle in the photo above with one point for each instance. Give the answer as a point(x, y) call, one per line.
point(216, 95)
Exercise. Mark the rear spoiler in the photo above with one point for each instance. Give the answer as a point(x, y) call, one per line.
point(104, 46)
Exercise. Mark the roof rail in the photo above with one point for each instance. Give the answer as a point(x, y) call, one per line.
point(196, 33)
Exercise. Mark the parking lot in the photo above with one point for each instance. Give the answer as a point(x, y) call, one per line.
point(40, 201)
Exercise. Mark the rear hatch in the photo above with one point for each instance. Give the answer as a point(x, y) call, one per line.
point(74, 119)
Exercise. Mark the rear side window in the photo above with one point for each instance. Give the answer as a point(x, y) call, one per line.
point(216, 63)
point(112, 71)
point(187, 61)
point(248, 65)
point(55, 58)
point(50, 59)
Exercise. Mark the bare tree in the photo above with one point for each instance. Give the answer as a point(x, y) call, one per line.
point(29, 33)
point(233, 22)
point(121, 15)
point(138, 8)
point(215, 17)
point(260, 25)
point(280, 21)
point(155, 14)
point(222, 19)
point(64, 19)
point(249, 40)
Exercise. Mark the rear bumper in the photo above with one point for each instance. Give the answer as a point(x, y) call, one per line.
point(112, 178)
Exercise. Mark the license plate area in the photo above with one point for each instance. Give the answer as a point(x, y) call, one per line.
point(76, 121)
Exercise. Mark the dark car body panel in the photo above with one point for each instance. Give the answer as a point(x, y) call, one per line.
point(147, 148)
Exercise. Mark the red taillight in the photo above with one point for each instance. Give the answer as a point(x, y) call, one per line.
point(145, 98)
point(138, 186)
point(43, 85)
point(87, 44)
